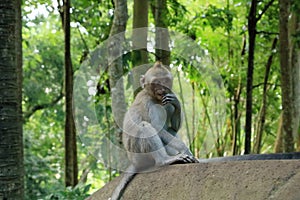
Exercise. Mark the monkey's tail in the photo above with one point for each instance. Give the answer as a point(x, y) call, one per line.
point(127, 177)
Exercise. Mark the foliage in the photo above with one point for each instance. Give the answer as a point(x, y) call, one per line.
point(218, 17)
point(93, 19)
point(79, 192)
point(43, 102)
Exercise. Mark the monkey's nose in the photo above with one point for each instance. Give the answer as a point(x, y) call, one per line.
point(165, 91)
point(160, 92)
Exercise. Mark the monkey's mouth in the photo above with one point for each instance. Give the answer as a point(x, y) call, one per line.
point(160, 94)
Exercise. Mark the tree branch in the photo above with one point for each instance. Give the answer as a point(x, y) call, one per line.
point(264, 10)
point(42, 106)
point(261, 84)
point(267, 33)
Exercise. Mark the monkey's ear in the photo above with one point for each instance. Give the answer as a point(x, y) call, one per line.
point(142, 81)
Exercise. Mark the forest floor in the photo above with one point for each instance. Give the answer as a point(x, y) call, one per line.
point(235, 180)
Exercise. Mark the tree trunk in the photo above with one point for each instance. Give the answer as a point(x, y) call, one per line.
point(139, 41)
point(278, 147)
point(162, 37)
point(236, 114)
point(236, 120)
point(116, 66)
point(252, 35)
point(11, 138)
point(262, 113)
point(71, 168)
point(286, 76)
point(295, 65)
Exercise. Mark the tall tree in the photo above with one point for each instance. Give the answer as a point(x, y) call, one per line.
point(71, 166)
point(11, 138)
point(295, 32)
point(139, 40)
point(263, 110)
point(253, 19)
point(139, 36)
point(252, 35)
point(116, 67)
point(162, 38)
point(289, 64)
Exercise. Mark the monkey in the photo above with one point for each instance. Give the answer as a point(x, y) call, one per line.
point(150, 127)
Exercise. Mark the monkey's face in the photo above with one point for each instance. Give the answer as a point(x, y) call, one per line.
point(157, 81)
point(159, 87)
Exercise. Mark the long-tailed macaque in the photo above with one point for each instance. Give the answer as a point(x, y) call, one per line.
point(150, 127)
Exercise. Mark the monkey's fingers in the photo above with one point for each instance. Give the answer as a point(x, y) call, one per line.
point(188, 159)
point(168, 98)
point(192, 159)
point(195, 160)
point(180, 159)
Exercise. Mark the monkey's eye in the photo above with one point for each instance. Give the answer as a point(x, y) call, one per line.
point(155, 85)
point(156, 82)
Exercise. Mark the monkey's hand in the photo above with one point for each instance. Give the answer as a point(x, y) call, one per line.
point(172, 99)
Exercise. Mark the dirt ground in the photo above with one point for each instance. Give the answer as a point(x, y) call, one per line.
point(257, 180)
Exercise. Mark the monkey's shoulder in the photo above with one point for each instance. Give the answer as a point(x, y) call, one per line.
point(140, 108)
point(143, 100)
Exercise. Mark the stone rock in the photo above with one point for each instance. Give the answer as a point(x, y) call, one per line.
point(257, 180)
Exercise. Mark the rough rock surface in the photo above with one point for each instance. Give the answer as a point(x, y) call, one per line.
point(257, 180)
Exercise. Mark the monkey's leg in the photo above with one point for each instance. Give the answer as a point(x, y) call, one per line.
point(127, 177)
point(173, 149)
point(173, 142)
point(154, 147)
point(161, 157)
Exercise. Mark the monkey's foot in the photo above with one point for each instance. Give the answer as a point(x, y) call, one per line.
point(183, 159)
point(189, 159)
point(195, 160)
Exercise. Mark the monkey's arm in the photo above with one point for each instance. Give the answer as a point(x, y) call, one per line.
point(173, 108)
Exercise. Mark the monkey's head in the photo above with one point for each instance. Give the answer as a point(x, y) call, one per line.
point(157, 81)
